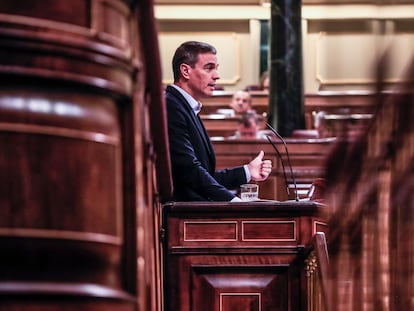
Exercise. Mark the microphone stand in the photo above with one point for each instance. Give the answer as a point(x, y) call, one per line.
point(281, 161)
point(287, 154)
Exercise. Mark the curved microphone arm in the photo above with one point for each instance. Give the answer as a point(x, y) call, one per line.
point(287, 154)
point(281, 161)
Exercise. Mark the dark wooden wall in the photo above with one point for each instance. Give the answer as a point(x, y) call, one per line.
point(75, 128)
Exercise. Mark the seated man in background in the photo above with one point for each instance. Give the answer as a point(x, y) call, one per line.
point(241, 102)
point(249, 128)
point(248, 125)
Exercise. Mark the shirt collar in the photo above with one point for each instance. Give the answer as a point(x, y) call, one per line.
point(194, 104)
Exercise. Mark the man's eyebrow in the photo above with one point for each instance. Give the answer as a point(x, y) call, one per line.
point(211, 64)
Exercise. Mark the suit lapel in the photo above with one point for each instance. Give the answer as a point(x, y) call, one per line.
point(204, 134)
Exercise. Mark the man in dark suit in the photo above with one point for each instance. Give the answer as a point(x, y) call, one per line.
point(192, 156)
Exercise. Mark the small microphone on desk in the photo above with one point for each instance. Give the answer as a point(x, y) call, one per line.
point(287, 154)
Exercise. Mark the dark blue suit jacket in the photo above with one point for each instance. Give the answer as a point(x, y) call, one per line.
point(192, 156)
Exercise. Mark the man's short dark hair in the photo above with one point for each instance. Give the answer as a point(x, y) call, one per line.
point(187, 53)
point(247, 117)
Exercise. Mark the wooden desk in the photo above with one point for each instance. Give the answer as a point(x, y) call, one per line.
point(237, 256)
point(307, 158)
point(344, 125)
point(332, 102)
point(339, 103)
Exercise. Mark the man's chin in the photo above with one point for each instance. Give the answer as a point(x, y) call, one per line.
point(209, 92)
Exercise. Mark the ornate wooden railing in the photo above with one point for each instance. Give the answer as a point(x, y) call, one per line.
point(317, 274)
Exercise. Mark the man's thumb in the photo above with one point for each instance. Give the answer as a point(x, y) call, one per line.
point(260, 155)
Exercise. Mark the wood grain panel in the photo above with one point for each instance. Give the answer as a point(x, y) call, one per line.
point(210, 231)
point(269, 230)
point(68, 154)
point(58, 11)
point(239, 287)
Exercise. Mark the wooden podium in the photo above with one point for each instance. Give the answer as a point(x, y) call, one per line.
point(237, 256)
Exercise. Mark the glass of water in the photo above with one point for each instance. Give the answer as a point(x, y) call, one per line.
point(249, 192)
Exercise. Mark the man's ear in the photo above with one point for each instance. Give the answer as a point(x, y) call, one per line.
point(185, 71)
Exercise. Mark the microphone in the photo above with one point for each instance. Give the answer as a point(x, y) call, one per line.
point(287, 154)
point(281, 161)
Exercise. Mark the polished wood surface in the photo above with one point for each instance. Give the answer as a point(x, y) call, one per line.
point(237, 256)
point(77, 157)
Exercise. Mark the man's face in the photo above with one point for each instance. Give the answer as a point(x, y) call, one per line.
point(248, 131)
point(241, 102)
point(202, 78)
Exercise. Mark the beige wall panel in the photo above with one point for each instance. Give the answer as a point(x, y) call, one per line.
point(341, 43)
point(402, 51)
point(310, 84)
point(237, 44)
point(345, 58)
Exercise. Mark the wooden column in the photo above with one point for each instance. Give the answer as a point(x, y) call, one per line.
point(74, 185)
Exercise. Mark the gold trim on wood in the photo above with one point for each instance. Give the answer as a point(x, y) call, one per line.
point(311, 264)
point(313, 286)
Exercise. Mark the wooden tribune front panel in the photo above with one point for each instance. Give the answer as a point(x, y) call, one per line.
point(236, 256)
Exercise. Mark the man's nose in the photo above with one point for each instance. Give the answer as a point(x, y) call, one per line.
point(216, 75)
